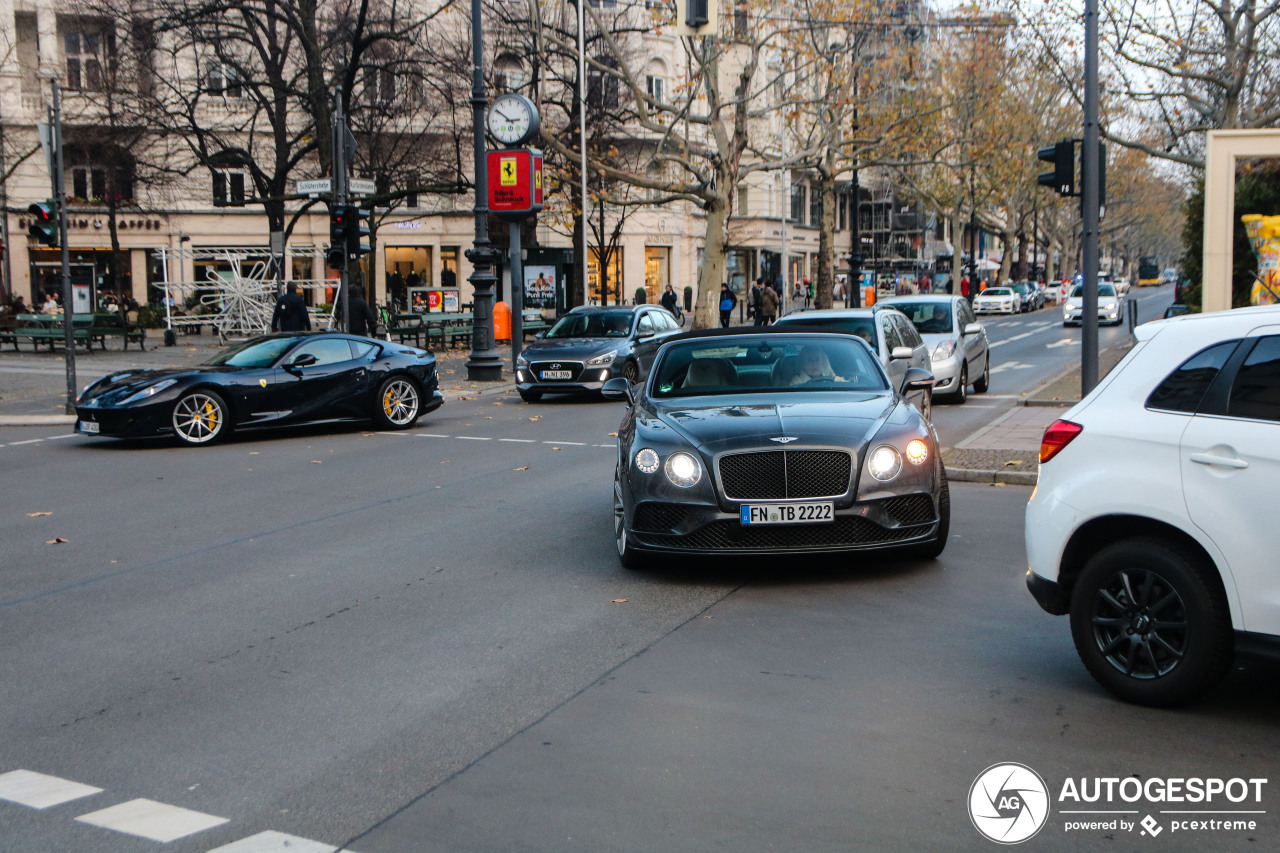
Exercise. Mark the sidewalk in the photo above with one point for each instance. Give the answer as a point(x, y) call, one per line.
point(1007, 450)
point(33, 385)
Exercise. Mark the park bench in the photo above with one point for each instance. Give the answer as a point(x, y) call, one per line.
point(48, 329)
point(124, 327)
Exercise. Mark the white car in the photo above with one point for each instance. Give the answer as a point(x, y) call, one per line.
point(1110, 305)
point(997, 300)
point(1153, 523)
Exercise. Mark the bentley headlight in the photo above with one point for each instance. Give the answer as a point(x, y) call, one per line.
point(647, 460)
point(601, 360)
point(884, 462)
point(149, 391)
point(683, 469)
point(917, 451)
point(944, 351)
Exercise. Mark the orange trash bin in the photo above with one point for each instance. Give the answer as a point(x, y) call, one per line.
point(869, 296)
point(501, 321)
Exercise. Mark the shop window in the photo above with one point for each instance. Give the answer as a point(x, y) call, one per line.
point(657, 271)
point(613, 272)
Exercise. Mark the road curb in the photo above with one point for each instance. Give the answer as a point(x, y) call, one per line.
point(36, 420)
point(1008, 478)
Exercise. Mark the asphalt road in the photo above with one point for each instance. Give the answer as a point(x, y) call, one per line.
point(423, 642)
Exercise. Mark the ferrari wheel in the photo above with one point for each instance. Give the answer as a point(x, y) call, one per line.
point(200, 418)
point(627, 555)
point(399, 403)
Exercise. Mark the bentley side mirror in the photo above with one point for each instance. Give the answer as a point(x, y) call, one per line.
point(917, 379)
point(618, 388)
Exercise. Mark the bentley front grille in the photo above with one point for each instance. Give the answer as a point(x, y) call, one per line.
point(785, 474)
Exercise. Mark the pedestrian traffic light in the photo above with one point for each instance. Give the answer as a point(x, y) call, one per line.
point(1062, 179)
point(44, 228)
point(338, 220)
point(357, 231)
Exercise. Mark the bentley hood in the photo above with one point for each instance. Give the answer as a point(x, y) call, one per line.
point(806, 421)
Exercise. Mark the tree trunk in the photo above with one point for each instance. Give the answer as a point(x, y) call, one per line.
point(711, 273)
point(826, 235)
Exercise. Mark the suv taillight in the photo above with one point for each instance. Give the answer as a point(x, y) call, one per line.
point(1058, 435)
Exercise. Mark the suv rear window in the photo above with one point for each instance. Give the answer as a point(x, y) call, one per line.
point(1255, 393)
point(1182, 390)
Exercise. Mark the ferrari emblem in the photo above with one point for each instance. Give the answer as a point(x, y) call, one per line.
point(262, 382)
point(785, 439)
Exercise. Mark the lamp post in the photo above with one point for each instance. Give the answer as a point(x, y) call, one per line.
point(853, 293)
point(485, 364)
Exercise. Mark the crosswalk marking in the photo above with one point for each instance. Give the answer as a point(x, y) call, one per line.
point(276, 842)
point(149, 819)
point(39, 791)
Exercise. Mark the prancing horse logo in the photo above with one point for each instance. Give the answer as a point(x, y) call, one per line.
point(785, 439)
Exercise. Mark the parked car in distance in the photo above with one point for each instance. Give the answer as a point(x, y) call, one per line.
point(1030, 295)
point(998, 300)
point(270, 381)
point(1153, 522)
point(896, 343)
point(1110, 305)
point(1177, 309)
point(591, 345)
point(959, 352)
point(775, 440)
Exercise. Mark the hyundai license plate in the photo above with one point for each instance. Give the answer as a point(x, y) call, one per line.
point(557, 374)
point(808, 513)
point(90, 427)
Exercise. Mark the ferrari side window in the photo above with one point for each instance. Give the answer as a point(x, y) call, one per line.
point(326, 351)
point(360, 349)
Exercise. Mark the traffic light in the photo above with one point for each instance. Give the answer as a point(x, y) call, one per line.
point(339, 218)
point(1062, 179)
point(357, 225)
point(44, 228)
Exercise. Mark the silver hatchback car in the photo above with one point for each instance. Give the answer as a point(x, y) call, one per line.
point(957, 341)
point(888, 331)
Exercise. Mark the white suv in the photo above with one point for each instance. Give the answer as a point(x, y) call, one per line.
point(1154, 523)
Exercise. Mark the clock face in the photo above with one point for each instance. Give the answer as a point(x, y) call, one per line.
point(512, 119)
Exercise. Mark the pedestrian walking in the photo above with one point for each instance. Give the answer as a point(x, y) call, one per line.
point(728, 301)
point(768, 305)
point(291, 312)
point(363, 321)
point(756, 290)
point(797, 295)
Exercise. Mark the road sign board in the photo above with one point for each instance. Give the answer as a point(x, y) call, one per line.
point(362, 186)
point(320, 186)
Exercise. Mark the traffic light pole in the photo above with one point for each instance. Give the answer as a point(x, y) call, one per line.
point(1090, 198)
point(68, 298)
point(339, 190)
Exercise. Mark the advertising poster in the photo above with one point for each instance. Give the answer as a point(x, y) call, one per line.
point(540, 286)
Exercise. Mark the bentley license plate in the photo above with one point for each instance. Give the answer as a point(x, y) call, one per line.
point(557, 374)
point(809, 513)
point(89, 427)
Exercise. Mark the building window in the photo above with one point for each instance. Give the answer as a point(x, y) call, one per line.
point(740, 22)
point(379, 85)
point(602, 87)
point(842, 211)
point(223, 79)
point(815, 207)
point(509, 74)
point(228, 188)
point(90, 51)
point(743, 196)
point(653, 85)
point(797, 203)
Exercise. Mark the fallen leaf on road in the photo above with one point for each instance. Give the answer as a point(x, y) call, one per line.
point(37, 514)
point(613, 434)
point(535, 417)
point(451, 372)
point(316, 462)
point(525, 468)
point(1013, 462)
point(497, 404)
point(619, 601)
point(57, 541)
point(488, 417)
point(445, 461)
point(1001, 485)
point(464, 398)
point(253, 453)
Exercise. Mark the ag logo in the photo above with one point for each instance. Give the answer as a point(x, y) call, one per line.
point(1008, 803)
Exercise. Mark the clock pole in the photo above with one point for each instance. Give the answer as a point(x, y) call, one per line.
point(485, 364)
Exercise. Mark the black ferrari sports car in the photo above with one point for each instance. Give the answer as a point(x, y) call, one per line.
point(773, 441)
point(275, 380)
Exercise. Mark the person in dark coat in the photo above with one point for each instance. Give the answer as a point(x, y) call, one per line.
point(728, 301)
point(768, 305)
point(754, 308)
point(363, 321)
point(291, 312)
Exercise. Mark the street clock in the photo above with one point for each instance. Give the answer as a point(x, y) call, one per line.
point(513, 119)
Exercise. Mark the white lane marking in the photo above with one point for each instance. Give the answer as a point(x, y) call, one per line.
point(28, 441)
point(1065, 342)
point(431, 435)
point(520, 440)
point(473, 438)
point(39, 791)
point(272, 841)
point(574, 443)
point(1011, 365)
point(149, 819)
point(60, 437)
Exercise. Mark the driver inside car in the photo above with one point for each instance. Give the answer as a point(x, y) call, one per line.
point(815, 366)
